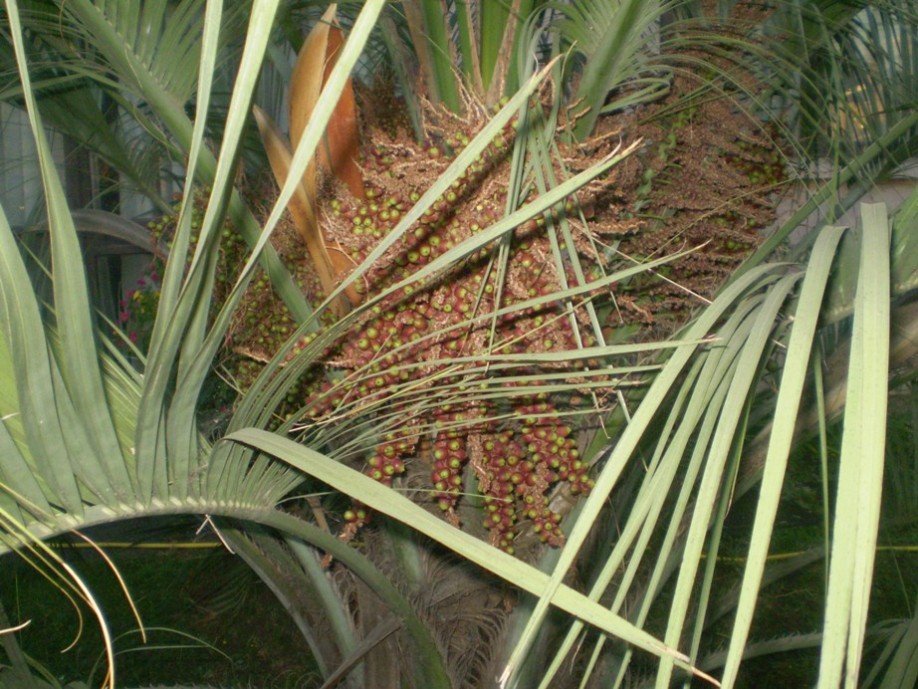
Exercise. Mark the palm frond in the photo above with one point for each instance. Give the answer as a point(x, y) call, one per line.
point(612, 39)
point(857, 66)
point(105, 442)
point(386, 501)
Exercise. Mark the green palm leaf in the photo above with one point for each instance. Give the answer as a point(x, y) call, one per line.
point(612, 38)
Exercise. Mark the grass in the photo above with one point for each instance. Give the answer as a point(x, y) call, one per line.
point(209, 619)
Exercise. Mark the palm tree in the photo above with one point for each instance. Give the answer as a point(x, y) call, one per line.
point(632, 595)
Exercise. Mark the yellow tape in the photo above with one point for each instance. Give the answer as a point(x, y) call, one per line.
point(195, 545)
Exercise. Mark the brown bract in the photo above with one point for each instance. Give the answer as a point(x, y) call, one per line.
point(336, 154)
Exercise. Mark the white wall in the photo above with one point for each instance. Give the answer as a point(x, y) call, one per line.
point(20, 178)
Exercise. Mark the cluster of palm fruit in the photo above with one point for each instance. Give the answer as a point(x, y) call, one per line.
point(518, 450)
point(415, 357)
point(457, 431)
